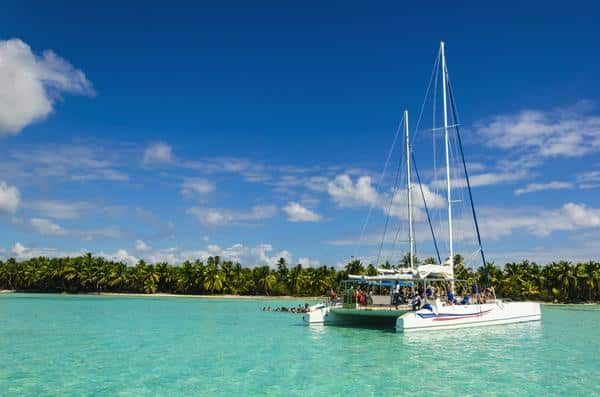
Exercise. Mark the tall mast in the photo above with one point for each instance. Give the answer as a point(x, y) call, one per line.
point(447, 148)
point(411, 240)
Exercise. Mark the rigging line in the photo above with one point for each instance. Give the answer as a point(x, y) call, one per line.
point(462, 154)
point(437, 251)
point(435, 88)
point(382, 176)
point(434, 71)
point(387, 218)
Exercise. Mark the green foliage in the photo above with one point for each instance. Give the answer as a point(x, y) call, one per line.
point(557, 281)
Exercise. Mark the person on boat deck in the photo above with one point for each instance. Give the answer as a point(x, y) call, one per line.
point(396, 293)
point(332, 295)
point(476, 293)
point(370, 297)
point(450, 297)
point(429, 291)
point(416, 302)
point(361, 298)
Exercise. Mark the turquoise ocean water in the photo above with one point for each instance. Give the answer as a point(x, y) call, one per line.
point(60, 345)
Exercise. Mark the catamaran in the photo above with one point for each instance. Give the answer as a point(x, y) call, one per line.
point(406, 299)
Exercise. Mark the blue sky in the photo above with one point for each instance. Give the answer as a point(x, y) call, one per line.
point(258, 131)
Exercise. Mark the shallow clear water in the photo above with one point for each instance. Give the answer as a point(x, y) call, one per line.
point(96, 345)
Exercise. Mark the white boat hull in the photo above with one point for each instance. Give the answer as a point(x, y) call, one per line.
point(463, 316)
point(317, 314)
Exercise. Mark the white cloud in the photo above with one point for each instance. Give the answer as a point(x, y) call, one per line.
point(120, 255)
point(110, 232)
point(46, 227)
point(221, 217)
point(19, 251)
point(497, 223)
point(31, 84)
point(258, 255)
point(158, 153)
point(484, 179)
point(200, 186)
point(10, 198)
point(589, 179)
point(141, 246)
point(307, 262)
point(39, 163)
point(298, 213)
point(570, 132)
point(249, 170)
point(536, 187)
point(346, 193)
point(59, 209)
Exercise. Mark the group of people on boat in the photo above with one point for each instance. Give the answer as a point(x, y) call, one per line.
point(285, 309)
point(431, 292)
point(416, 297)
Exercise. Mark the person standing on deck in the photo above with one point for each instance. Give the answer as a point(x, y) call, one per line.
point(396, 293)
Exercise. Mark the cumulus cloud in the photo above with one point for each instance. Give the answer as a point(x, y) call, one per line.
point(347, 193)
point(141, 246)
point(307, 262)
point(570, 132)
point(221, 217)
point(536, 187)
point(199, 186)
point(158, 153)
point(31, 84)
point(298, 213)
point(19, 251)
point(120, 255)
point(46, 227)
point(10, 198)
point(261, 254)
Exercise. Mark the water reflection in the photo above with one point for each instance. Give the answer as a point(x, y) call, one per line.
point(530, 330)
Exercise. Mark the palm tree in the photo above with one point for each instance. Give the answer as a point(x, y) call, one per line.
point(213, 278)
point(266, 280)
point(559, 281)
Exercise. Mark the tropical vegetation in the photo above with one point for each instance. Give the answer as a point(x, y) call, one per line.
point(557, 281)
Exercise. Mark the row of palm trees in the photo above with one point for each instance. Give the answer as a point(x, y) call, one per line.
point(557, 281)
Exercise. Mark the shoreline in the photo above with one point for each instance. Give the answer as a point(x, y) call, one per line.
point(229, 296)
point(224, 296)
point(167, 295)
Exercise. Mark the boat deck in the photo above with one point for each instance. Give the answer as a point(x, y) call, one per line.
point(372, 311)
